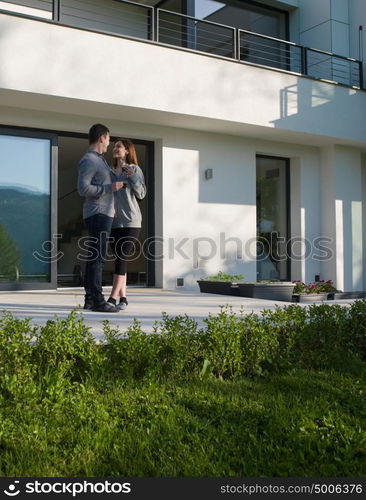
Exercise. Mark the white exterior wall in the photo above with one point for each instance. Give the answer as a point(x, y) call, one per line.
point(363, 169)
point(207, 213)
point(357, 14)
point(197, 218)
point(203, 112)
point(341, 209)
point(175, 87)
point(305, 221)
point(324, 24)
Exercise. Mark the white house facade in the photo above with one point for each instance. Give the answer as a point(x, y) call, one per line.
point(249, 119)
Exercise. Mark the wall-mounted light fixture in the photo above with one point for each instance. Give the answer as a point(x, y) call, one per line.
point(208, 174)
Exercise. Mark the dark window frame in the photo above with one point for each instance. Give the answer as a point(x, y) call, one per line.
point(241, 4)
point(52, 137)
point(268, 7)
point(288, 206)
point(150, 181)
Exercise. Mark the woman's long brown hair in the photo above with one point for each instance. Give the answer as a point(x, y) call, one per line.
point(131, 157)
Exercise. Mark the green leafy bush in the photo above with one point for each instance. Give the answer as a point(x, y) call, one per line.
point(230, 345)
point(220, 276)
point(66, 350)
point(235, 345)
point(17, 367)
point(173, 349)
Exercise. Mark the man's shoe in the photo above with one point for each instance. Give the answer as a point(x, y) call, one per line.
point(105, 307)
point(88, 306)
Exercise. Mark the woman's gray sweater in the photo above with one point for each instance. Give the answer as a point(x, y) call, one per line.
point(128, 213)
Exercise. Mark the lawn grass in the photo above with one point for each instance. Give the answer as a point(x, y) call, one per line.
point(304, 423)
point(274, 396)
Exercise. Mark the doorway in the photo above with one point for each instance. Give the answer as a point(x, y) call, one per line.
point(71, 228)
point(273, 218)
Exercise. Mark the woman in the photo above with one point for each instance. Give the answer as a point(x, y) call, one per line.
point(127, 220)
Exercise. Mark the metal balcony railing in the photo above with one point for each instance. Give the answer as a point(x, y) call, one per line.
point(140, 21)
point(196, 34)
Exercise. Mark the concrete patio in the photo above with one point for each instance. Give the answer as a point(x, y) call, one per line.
point(145, 304)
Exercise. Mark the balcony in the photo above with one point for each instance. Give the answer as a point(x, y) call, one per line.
point(138, 21)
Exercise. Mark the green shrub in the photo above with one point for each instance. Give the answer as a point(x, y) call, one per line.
point(172, 349)
point(233, 345)
point(17, 368)
point(65, 351)
point(287, 325)
point(129, 354)
point(355, 333)
point(230, 345)
point(220, 276)
point(177, 346)
point(221, 343)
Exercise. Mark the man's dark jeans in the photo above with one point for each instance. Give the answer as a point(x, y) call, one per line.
point(99, 228)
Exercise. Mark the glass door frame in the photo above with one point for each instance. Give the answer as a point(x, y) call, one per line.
point(150, 181)
point(52, 137)
point(288, 207)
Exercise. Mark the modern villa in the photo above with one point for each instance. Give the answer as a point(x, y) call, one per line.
point(249, 120)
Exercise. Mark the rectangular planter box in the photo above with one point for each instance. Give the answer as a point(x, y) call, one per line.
point(219, 287)
point(349, 295)
point(312, 297)
point(281, 291)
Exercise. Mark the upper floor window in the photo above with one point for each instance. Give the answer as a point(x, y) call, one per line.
point(243, 14)
point(37, 8)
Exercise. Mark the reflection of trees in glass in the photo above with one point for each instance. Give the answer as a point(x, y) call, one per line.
point(267, 202)
point(10, 256)
point(267, 218)
point(25, 215)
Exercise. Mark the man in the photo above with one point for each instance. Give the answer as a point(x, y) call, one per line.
point(94, 183)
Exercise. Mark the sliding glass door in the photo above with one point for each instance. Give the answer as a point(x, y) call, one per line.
point(26, 230)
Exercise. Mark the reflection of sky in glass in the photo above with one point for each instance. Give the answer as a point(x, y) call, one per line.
point(204, 8)
point(24, 163)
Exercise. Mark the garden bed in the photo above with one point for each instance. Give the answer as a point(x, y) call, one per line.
point(281, 291)
point(219, 287)
point(312, 297)
point(349, 295)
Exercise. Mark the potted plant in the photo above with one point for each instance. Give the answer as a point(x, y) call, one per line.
point(221, 283)
point(269, 290)
point(313, 292)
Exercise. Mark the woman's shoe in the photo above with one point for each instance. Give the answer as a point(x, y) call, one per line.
point(123, 303)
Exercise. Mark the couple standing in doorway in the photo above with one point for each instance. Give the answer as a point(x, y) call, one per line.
point(111, 214)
